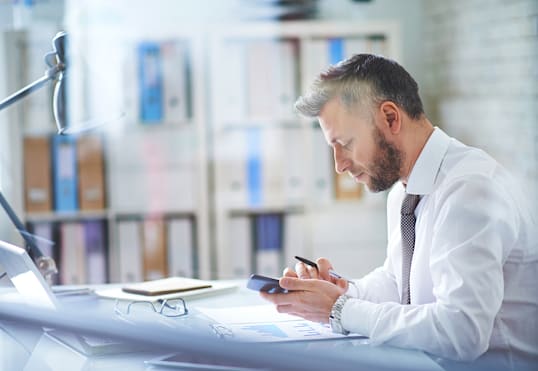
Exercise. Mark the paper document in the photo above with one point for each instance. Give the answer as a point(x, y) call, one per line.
point(263, 323)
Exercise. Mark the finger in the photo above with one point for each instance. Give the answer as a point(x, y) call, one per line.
point(273, 298)
point(302, 271)
point(284, 308)
point(324, 266)
point(296, 284)
point(288, 272)
point(313, 272)
point(342, 283)
point(279, 299)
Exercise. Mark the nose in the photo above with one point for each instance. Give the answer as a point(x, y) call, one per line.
point(341, 162)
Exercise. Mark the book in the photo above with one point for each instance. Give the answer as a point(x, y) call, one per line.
point(322, 186)
point(154, 257)
point(129, 251)
point(254, 166)
point(72, 254)
point(287, 76)
point(231, 85)
point(241, 249)
point(217, 287)
point(64, 169)
point(37, 174)
point(151, 82)
point(346, 188)
point(176, 87)
point(293, 167)
point(336, 50)
point(96, 251)
point(91, 190)
point(231, 172)
point(268, 240)
point(261, 78)
point(272, 164)
point(166, 286)
point(294, 238)
point(180, 247)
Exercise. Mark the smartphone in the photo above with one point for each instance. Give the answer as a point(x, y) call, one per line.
point(267, 284)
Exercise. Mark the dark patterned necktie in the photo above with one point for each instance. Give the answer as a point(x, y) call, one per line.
point(407, 226)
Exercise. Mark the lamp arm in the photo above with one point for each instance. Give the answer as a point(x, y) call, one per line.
point(50, 74)
point(45, 264)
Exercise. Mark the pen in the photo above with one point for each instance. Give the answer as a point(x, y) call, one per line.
point(312, 264)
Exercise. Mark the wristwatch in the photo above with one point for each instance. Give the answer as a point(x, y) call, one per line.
point(335, 318)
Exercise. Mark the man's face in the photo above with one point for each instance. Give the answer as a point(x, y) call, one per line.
point(359, 146)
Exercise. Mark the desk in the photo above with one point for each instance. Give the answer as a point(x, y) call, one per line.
point(23, 346)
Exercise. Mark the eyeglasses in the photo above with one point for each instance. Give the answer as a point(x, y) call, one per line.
point(167, 308)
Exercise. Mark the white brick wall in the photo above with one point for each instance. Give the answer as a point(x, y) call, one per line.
point(481, 79)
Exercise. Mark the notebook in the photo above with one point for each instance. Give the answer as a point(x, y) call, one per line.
point(167, 288)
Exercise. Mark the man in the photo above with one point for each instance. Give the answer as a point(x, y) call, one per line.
point(461, 273)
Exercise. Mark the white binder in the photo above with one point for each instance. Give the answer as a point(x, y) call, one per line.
point(130, 251)
point(240, 242)
point(180, 248)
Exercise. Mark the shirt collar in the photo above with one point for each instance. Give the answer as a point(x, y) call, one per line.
point(424, 172)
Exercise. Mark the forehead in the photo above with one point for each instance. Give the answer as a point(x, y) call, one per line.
point(337, 121)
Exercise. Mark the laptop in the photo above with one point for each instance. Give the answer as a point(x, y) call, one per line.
point(32, 289)
point(25, 277)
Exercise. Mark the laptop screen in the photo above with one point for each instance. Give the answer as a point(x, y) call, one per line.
point(26, 277)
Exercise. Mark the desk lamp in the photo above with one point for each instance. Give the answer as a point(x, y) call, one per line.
point(56, 63)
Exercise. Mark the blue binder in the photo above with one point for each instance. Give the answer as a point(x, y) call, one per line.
point(268, 237)
point(269, 232)
point(64, 168)
point(254, 166)
point(151, 82)
point(336, 50)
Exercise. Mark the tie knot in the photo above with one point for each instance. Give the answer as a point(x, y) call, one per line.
point(409, 204)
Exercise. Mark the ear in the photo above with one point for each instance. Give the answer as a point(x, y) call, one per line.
point(391, 116)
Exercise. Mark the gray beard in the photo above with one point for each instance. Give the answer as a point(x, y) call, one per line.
point(387, 164)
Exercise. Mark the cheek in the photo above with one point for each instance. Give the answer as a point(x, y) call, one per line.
point(363, 154)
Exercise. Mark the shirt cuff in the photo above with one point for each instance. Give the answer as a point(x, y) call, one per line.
point(352, 290)
point(356, 316)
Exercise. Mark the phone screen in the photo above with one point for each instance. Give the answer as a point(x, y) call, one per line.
point(267, 284)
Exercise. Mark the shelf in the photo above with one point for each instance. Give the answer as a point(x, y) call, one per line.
point(66, 216)
point(258, 70)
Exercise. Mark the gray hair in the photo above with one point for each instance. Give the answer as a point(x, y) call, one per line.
point(360, 82)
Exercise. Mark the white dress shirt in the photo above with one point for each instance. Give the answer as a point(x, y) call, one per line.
point(474, 273)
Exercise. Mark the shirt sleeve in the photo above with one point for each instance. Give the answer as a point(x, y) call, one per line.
point(474, 226)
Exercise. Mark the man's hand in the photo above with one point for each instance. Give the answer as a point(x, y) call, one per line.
point(311, 298)
point(305, 271)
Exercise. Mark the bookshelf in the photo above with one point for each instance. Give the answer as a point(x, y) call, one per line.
point(276, 192)
point(229, 183)
point(144, 214)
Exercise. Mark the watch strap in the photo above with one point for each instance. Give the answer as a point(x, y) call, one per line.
point(335, 318)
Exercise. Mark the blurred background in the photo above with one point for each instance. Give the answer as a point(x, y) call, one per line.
point(197, 165)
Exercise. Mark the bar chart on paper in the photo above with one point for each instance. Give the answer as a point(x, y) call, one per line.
point(263, 323)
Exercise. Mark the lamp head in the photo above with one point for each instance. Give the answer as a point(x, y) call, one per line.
point(59, 106)
point(58, 45)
